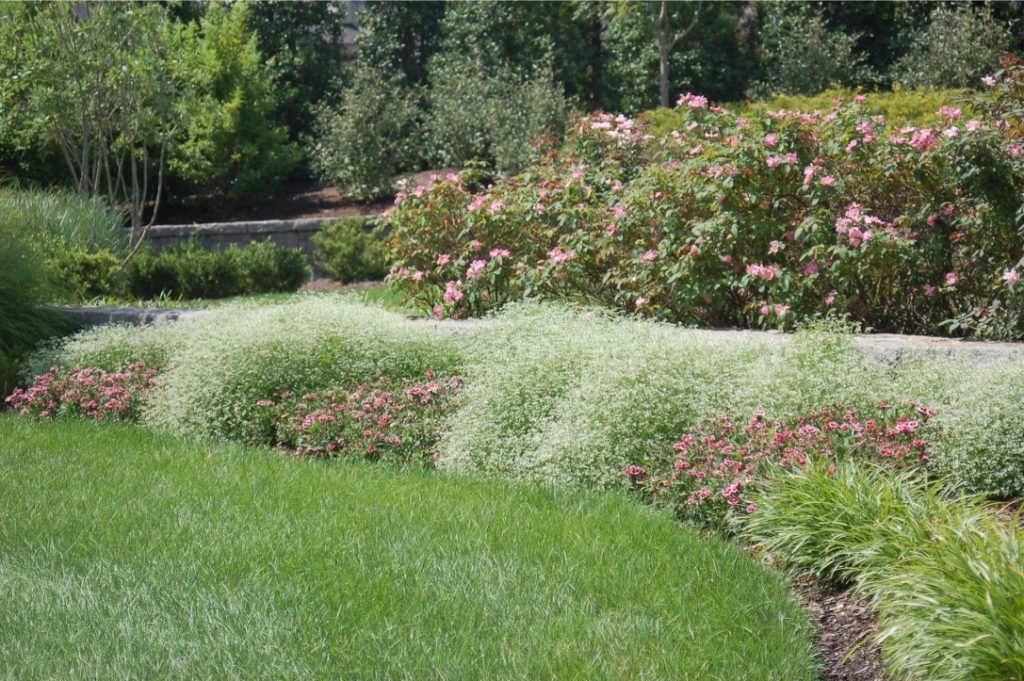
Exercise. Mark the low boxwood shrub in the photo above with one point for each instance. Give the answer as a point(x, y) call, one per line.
point(190, 271)
point(943, 572)
point(267, 268)
point(349, 251)
point(85, 275)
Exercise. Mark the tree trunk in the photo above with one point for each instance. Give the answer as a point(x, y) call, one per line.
point(664, 49)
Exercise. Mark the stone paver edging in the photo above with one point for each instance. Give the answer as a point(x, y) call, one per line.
point(889, 346)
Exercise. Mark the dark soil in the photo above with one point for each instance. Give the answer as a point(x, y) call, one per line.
point(845, 626)
point(293, 201)
point(322, 285)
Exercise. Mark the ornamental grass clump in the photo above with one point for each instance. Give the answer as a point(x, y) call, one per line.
point(398, 421)
point(944, 573)
point(91, 393)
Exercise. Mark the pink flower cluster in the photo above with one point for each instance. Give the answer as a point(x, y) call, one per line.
point(707, 470)
point(393, 420)
point(92, 393)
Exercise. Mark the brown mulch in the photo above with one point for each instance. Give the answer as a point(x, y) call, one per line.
point(293, 201)
point(323, 285)
point(845, 626)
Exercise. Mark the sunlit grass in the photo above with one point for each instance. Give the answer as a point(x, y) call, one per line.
point(128, 554)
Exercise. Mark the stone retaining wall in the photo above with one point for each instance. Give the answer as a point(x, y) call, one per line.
point(220, 235)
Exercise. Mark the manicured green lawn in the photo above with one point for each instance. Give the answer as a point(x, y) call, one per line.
point(127, 554)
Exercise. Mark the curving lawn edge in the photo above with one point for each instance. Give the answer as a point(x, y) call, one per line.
point(125, 553)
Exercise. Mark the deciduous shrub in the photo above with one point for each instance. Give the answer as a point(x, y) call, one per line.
point(371, 136)
point(941, 571)
point(972, 34)
point(348, 251)
point(491, 113)
point(92, 393)
point(750, 222)
point(391, 420)
point(707, 472)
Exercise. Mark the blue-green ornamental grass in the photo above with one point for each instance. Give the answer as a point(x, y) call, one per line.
point(129, 554)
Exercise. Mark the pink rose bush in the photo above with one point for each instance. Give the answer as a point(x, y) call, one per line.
point(705, 474)
point(89, 393)
point(729, 220)
point(391, 420)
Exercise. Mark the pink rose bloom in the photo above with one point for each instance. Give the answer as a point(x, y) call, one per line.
point(558, 255)
point(950, 113)
point(830, 299)
point(417, 275)
point(1011, 277)
point(772, 161)
point(859, 99)
point(770, 140)
point(765, 310)
point(828, 180)
point(951, 278)
point(1014, 150)
point(610, 229)
point(950, 132)
point(989, 81)
point(475, 245)
point(496, 207)
point(726, 259)
point(443, 259)
point(640, 302)
point(781, 310)
point(495, 252)
point(649, 256)
point(774, 246)
point(698, 102)
point(973, 125)
point(475, 268)
point(539, 209)
point(929, 290)
point(810, 269)
point(808, 174)
point(438, 311)
point(791, 159)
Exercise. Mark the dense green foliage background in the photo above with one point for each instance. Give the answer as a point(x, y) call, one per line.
point(268, 91)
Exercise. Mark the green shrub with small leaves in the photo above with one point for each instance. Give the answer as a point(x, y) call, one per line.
point(349, 251)
point(85, 275)
point(958, 47)
point(189, 271)
point(370, 136)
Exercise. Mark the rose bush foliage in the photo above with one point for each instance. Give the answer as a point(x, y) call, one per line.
point(751, 222)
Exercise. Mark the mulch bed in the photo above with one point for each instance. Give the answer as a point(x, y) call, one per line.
point(845, 626)
point(293, 201)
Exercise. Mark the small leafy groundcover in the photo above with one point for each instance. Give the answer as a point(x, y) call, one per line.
point(395, 420)
point(704, 475)
point(92, 393)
